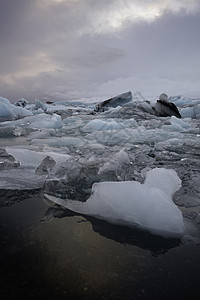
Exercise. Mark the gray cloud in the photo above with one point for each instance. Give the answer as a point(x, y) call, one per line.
point(71, 49)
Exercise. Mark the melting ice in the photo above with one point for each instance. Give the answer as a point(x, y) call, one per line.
point(119, 160)
point(148, 206)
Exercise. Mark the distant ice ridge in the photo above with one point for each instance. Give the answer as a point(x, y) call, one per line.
point(147, 206)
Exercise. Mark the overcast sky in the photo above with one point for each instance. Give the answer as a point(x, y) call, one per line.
point(69, 49)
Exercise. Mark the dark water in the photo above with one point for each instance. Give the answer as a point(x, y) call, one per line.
point(78, 258)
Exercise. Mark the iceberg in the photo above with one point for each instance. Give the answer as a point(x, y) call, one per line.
point(119, 100)
point(9, 111)
point(6, 112)
point(164, 108)
point(21, 112)
point(39, 104)
point(148, 206)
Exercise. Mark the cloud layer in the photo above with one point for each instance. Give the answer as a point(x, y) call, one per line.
point(63, 49)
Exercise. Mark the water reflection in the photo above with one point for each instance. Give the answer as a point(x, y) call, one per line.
point(121, 234)
point(66, 260)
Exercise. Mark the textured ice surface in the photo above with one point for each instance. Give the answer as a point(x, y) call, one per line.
point(74, 177)
point(69, 147)
point(191, 112)
point(21, 179)
point(36, 122)
point(184, 101)
point(115, 163)
point(39, 104)
point(6, 132)
point(6, 112)
point(24, 171)
point(99, 125)
point(189, 108)
point(59, 142)
point(148, 206)
point(31, 158)
point(132, 136)
point(177, 125)
point(108, 124)
point(163, 179)
point(9, 111)
point(46, 121)
point(42, 134)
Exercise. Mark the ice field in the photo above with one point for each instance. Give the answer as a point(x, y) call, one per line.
point(117, 160)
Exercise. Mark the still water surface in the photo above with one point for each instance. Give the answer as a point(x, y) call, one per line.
point(77, 258)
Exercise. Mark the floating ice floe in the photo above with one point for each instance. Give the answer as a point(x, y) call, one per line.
point(147, 206)
point(32, 158)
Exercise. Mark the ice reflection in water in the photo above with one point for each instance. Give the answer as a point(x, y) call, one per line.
point(74, 257)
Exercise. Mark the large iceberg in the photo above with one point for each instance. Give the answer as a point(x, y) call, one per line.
point(148, 206)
